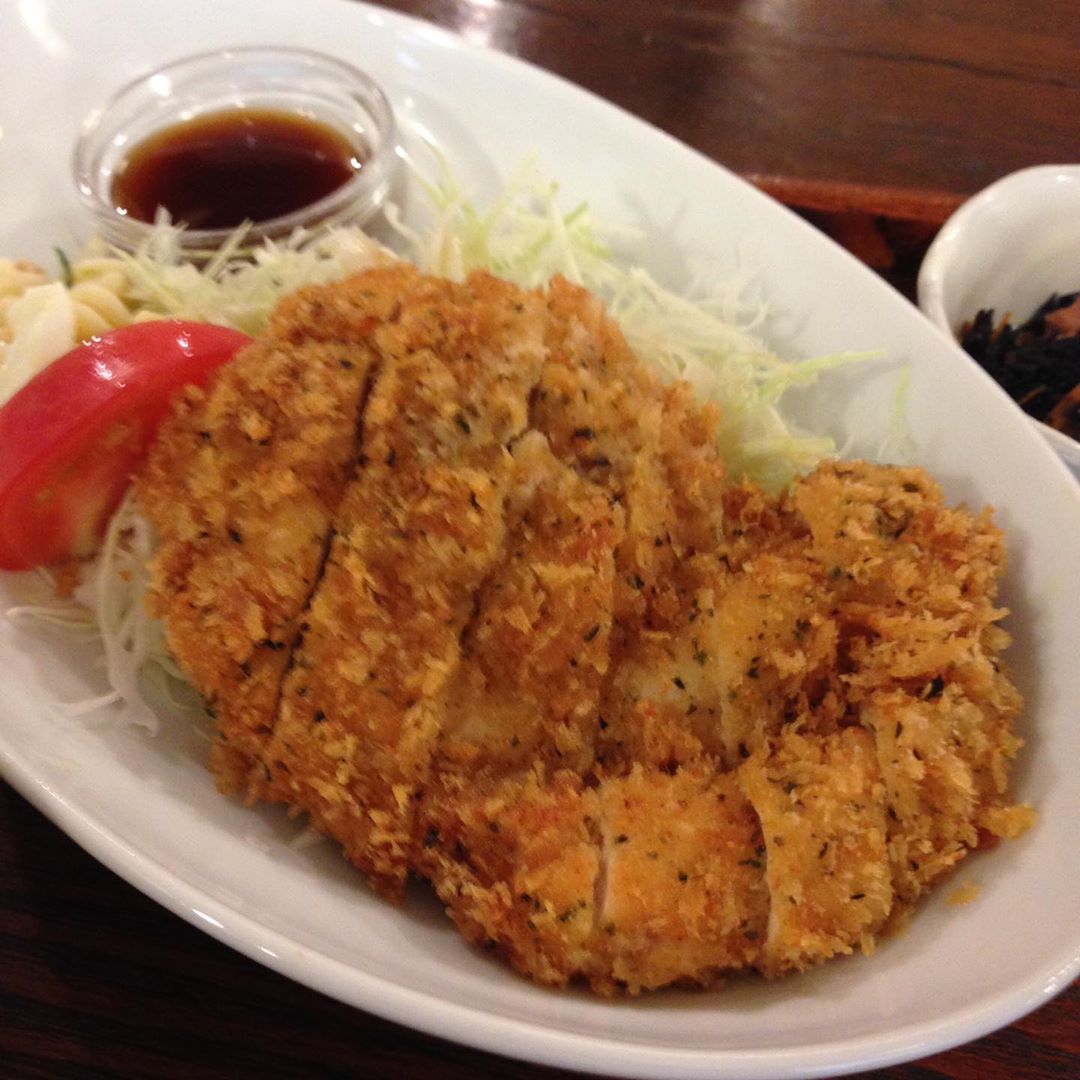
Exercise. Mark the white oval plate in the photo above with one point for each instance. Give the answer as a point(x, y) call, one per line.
point(146, 807)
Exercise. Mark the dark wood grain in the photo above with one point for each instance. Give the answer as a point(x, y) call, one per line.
point(934, 95)
point(874, 118)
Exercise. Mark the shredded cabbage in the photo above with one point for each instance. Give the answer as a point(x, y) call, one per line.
point(112, 591)
point(236, 287)
point(711, 340)
point(109, 604)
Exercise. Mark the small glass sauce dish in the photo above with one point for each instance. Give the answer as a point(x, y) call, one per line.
point(278, 137)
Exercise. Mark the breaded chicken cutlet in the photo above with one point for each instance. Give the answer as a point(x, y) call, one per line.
point(463, 583)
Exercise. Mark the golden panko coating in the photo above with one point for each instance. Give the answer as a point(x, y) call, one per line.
point(463, 583)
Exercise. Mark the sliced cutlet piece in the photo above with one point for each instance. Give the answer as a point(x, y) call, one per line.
point(821, 804)
point(770, 643)
point(930, 794)
point(241, 485)
point(938, 756)
point(417, 532)
point(503, 828)
point(604, 414)
point(664, 703)
point(665, 700)
point(652, 447)
point(602, 411)
point(916, 584)
point(519, 871)
point(536, 650)
point(646, 880)
point(695, 472)
point(746, 654)
point(683, 897)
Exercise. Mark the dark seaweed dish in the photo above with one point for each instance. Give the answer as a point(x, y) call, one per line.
point(1037, 362)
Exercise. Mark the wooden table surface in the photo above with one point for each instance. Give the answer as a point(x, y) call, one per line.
point(875, 118)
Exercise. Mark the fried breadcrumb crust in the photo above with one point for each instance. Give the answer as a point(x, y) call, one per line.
point(464, 584)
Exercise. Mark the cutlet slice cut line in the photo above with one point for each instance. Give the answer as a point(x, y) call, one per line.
point(241, 485)
point(519, 724)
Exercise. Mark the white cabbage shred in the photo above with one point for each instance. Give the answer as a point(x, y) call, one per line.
point(238, 287)
point(112, 589)
point(711, 340)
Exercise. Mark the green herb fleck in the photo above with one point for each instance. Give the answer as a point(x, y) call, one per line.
point(66, 274)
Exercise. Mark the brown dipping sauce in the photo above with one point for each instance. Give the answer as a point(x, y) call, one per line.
point(220, 170)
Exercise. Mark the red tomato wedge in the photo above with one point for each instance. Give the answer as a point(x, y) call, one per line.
point(71, 438)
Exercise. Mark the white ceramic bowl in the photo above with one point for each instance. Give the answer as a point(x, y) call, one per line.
point(1008, 248)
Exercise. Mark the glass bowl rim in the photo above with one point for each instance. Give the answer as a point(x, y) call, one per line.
point(362, 186)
